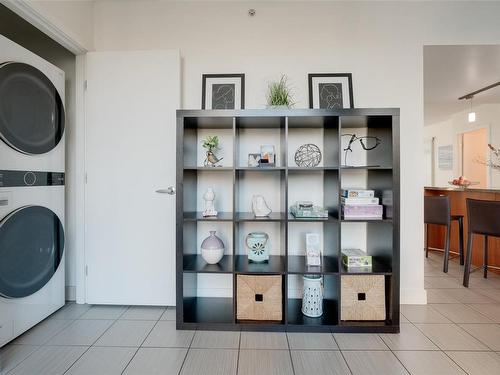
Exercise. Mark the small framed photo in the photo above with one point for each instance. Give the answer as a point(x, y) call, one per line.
point(253, 160)
point(223, 91)
point(330, 91)
point(267, 156)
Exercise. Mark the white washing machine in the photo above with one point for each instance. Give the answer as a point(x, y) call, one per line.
point(31, 249)
point(32, 118)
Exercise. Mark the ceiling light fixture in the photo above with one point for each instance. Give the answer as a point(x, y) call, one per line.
point(472, 115)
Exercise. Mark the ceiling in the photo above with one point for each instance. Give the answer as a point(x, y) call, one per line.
point(453, 71)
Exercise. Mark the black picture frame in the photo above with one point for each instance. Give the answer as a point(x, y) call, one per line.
point(208, 77)
point(311, 76)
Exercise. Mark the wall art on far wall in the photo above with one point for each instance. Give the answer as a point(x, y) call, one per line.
point(330, 90)
point(223, 91)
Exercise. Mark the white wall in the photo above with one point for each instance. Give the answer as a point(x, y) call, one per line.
point(73, 17)
point(380, 43)
point(446, 133)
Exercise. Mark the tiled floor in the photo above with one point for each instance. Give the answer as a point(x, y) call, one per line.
point(458, 332)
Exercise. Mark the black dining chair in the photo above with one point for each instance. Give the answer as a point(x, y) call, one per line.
point(437, 211)
point(483, 218)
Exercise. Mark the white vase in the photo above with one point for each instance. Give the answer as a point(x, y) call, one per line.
point(312, 298)
point(212, 249)
point(260, 207)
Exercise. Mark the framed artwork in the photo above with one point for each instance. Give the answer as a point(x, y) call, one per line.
point(330, 90)
point(223, 91)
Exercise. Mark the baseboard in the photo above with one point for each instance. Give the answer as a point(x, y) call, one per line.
point(70, 293)
point(413, 296)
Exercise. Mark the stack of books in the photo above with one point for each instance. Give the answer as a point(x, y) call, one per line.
point(360, 204)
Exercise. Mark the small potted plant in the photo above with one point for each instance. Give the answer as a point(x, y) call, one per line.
point(211, 144)
point(279, 94)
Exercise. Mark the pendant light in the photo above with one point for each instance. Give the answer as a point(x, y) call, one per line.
point(472, 114)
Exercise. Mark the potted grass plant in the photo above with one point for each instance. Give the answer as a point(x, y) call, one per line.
point(279, 94)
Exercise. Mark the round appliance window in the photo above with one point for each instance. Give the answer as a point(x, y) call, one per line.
point(31, 110)
point(31, 249)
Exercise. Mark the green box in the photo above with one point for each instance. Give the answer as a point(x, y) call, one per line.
point(356, 258)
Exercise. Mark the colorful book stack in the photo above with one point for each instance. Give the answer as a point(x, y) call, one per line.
point(360, 204)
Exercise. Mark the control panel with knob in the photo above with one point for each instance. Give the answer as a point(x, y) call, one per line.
point(30, 178)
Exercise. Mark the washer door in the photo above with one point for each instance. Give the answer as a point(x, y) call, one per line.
point(31, 110)
point(31, 249)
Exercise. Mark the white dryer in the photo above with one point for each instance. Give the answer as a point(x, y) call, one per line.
point(31, 249)
point(32, 118)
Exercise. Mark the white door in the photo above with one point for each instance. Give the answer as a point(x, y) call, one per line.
point(131, 100)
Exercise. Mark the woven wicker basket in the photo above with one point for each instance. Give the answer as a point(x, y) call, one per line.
point(259, 298)
point(363, 297)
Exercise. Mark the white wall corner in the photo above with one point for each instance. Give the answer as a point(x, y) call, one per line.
point(413, 296)
point(70, 293)
point(79, 150)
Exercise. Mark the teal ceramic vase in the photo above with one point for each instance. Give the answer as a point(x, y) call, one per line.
point(257, 247)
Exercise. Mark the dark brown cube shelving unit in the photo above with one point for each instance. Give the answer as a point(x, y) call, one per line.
point(382, 236)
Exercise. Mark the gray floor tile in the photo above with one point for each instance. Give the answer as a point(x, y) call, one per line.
point(480, 283)
point(445, 282)
point(11, 355)
point(81, 332)
point(359, 341)
point(488, 334)
point(49, 360)
point(265, 362)
point(216, 340)
point(308, 341)
point(465, 295)
point(102, 361)
point(210, 362)
point(168, 314)
point(402, 319)
point(477, 363)
point(70, 311)
point(126, 333)
point(422, 314)
point(428, 363)
point(104, 312)
point(143, 313)
point(460, 313)
point(164, 335)
point(434, 271)
point(156, 361)
point(491, 310)
point(263, 340)
point(493, 294)
point(409, 338)
point(319, 363)
point(373, 363)
point(42, 332)
point(440, 296)
point(450, 337)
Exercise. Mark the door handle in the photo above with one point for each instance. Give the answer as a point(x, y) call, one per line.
point(170, 190)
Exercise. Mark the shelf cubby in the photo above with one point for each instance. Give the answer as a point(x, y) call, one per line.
point(206, 294)
point(330, 315)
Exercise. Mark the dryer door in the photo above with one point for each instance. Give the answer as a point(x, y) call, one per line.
point(31, 110)
point(31, 249)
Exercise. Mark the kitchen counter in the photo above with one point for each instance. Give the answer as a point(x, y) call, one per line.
point(470, 189)
point(458, 198)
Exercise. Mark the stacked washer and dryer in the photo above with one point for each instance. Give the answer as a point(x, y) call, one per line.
point(32, 155)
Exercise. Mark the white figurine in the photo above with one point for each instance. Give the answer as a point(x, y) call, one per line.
point(209, 198)
point(260, 207)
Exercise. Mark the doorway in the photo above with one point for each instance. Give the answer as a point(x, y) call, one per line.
point(473, 152)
